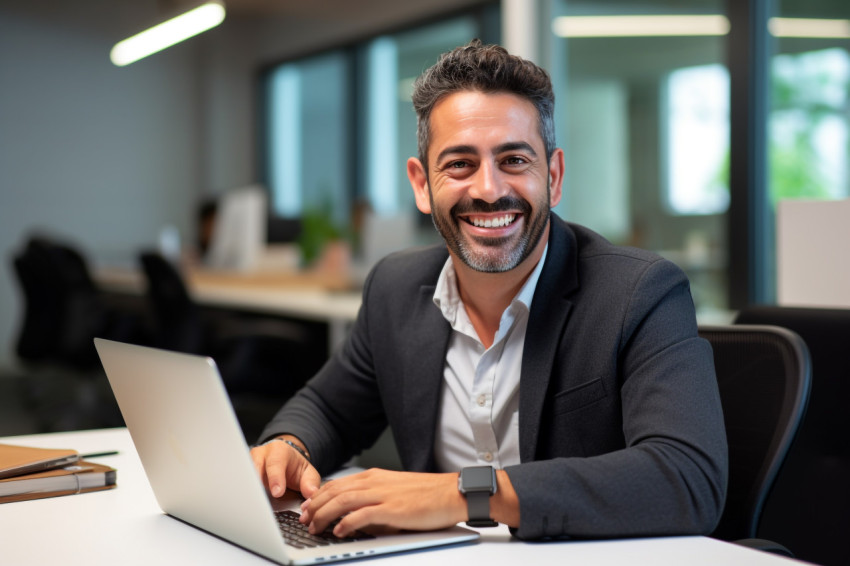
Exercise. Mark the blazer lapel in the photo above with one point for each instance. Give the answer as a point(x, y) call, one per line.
point(550, 310)
point(423, 378)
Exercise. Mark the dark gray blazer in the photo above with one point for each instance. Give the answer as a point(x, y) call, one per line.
point(620, 424)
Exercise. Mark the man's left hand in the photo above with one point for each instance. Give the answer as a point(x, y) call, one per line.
point(387, 500)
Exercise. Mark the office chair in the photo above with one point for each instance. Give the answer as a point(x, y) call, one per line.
point(764, 377)
point(62, 312)
point(262, 359)
point(38, 337)
point(809, 507)
point(176, 317)
point(63, 309)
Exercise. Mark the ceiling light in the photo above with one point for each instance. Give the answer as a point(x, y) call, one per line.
point(657, 26)
point(635, 26)
point(168, 33)
point(809, 27)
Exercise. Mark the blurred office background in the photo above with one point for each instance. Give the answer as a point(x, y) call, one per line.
point(677, 140)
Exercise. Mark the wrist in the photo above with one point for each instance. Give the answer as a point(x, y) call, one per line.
point(478, 484)
point(293, 442)
point(504, 505)
point(457, 500)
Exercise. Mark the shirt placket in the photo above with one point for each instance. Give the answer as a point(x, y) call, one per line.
point(481, 409)
point(481, 399)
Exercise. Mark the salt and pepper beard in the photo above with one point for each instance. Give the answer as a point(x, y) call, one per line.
point(500, 259)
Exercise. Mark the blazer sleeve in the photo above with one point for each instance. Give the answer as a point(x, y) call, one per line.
point(670, 477)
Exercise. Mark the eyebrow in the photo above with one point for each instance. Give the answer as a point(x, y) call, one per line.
point(502, 148)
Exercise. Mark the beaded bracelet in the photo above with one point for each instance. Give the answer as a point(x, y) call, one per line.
point(295, 446)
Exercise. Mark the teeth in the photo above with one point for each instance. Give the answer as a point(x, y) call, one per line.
point(493, 222)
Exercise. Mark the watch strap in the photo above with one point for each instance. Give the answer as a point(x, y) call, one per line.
point(478, 505)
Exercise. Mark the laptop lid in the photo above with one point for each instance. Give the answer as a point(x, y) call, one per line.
point(198, 463)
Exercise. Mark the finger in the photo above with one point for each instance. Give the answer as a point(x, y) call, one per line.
point(358, 520)
point(310, 481)
point(258, 458)
point(341, 506)
point(276, 463)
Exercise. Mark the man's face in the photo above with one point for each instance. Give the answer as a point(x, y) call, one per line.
point(489, 186)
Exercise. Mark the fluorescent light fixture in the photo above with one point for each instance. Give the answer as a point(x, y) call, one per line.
point(168, 33)
point(639, 26)
point(809, 27)
point(658, 26)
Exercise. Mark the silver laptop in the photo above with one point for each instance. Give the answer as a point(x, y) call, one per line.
point(198, 464)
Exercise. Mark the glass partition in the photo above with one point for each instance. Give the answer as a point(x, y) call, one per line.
point(643, 91)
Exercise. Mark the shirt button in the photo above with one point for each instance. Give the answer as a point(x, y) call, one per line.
point(488, 456)
point(482, 400)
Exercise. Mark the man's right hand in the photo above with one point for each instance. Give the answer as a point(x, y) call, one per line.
point(281, 467)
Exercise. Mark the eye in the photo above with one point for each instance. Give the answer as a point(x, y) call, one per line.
point(515, 160)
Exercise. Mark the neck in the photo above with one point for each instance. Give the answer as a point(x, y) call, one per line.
point(486, 295)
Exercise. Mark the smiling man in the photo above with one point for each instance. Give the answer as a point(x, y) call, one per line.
point(532, 373)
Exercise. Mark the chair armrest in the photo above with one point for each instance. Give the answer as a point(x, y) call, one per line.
point(765, 545)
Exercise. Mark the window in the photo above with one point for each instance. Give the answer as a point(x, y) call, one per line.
point(697, 115)
point(809, 125)
point(340, 127)
point(644, 122)
point(309, 111)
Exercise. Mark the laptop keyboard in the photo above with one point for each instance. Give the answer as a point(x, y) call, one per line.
point(297, 535)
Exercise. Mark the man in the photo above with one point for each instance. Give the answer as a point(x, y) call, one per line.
point(570, 365)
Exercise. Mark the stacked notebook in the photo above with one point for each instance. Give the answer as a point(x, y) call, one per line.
point(35, 473)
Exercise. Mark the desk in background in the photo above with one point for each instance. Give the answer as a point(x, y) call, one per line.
point(125, 526)
point(308, 296)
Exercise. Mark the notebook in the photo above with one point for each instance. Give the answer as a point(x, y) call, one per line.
point(198, 464)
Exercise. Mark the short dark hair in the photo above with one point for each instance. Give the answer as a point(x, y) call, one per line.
point(488, 69)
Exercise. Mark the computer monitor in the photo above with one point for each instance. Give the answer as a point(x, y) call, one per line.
point(239, 236)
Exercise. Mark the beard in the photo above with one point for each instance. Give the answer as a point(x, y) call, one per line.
point(492, 254)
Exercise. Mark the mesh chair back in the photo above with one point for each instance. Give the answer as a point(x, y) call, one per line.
point(809, 507)
point(764, 376)
point(63, 309)
point(177, 318)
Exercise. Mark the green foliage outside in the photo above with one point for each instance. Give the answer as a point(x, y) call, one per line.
point(801, 98)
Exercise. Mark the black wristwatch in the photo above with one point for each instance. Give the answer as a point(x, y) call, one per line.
point(478, 484)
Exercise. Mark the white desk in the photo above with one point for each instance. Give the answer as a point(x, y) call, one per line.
point(125, 526)
point(309, 297)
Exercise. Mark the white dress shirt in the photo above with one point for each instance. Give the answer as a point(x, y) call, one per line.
point(479, 420)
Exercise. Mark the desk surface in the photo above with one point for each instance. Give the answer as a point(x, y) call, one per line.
point(305, 295)
point(125, 526)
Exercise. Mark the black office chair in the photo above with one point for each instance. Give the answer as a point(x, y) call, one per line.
point(809, 507)
point(63, 308)
point(38, 338)
point(177, 319)
point(764, 377)
point(263, 360)
point(62, 313)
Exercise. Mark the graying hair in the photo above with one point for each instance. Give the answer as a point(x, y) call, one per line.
point(487, 69)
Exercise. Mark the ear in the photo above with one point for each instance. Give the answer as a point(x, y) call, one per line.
point(419, 182)
point(556, 177)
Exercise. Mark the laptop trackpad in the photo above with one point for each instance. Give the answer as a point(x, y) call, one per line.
point(291, 501)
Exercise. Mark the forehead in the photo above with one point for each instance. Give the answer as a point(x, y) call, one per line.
point(479, 119)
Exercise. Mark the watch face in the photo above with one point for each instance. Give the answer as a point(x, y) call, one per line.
point(477, 478)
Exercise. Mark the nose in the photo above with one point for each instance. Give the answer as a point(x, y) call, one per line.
point(487, 183)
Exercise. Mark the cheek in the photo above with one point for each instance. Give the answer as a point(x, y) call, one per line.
point(445, 193)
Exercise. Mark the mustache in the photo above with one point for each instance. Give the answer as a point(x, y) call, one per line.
point(504, 204)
